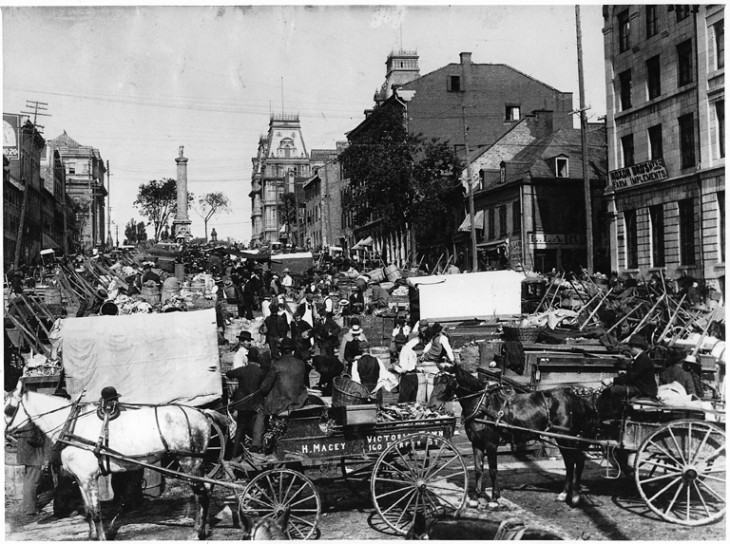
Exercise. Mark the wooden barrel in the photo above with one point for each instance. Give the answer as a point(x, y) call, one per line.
point(377, 275)
point(14, 473)
point(392, 272)
point(197, 287)
point(52, 295)
point(151, 294)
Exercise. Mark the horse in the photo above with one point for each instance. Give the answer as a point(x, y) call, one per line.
point(555, 410)
point(145, 434)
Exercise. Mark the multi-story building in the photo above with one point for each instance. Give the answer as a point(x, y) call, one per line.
point(85, 171)
point(281, 157)
point(59, 222)
point(665, 83)
point(529, 197)
point(22, 191)
point(322, 221)
point(489, 98)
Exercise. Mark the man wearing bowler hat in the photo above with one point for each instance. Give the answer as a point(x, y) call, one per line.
point(244, 345)
point(639, 378)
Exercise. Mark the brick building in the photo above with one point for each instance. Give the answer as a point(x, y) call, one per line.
point(665, 83)
point(528, 196)
point(22, 191)
point(85, 172)
point(281, 157)
point(494, 98)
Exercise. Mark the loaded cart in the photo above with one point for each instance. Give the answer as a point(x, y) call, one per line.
point(410, 465)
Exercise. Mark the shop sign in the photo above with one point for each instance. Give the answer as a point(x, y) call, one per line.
point(11, 139)
point(637, 174)
point(541, 240)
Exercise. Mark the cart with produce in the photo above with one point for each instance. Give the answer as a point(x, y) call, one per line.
point(402, 452)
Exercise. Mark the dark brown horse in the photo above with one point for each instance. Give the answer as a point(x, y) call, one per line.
point(557, 411)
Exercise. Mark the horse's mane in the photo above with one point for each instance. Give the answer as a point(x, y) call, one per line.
point(466, 380)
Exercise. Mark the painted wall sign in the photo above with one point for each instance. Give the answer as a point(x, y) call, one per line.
point(542, 240)
point(644, 172)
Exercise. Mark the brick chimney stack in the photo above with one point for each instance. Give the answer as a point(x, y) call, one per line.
point(465, 60)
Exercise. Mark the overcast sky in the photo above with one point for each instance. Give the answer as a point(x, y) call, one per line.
point(138, 82)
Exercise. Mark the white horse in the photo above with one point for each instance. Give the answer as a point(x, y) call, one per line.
point(144, 434)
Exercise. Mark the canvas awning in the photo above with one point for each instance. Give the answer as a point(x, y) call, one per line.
point(49, 243)
point(478, 222)
point(362, 243)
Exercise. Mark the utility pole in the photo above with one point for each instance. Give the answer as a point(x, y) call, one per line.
point(38, 108)
point(584, 147)
point(108, 203)
point(117, 229)
point(474, 260)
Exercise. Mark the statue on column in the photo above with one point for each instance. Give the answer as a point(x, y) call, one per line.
point(182, 148)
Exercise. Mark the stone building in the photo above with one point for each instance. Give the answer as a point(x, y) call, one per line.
point(528, 196)
point(322, 221)
point(492, 98)
point(280, 158)
point(665, 87)
point(85, 172)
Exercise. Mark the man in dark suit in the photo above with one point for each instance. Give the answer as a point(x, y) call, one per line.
point(277, 328)
point(247, 398)
point(638, 380)
point(285, 391)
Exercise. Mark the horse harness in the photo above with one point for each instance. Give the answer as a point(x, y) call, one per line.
point(495, 416)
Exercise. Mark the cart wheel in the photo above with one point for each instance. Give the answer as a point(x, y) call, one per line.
point(421, 472)
point(216, 451)
point(680, 472)
point(282, 493)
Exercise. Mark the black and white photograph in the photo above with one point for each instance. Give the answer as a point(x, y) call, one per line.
point(364, 272)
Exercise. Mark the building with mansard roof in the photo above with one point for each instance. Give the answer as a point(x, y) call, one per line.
point(85, 172)
point(281, 157)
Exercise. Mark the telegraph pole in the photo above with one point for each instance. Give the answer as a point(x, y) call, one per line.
point(474, 260)
point(108, 204)
point(584, 146)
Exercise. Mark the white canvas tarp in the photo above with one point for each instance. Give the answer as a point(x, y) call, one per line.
point(453, 297)
point(148, 358)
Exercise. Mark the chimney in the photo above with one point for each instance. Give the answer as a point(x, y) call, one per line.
point(543, 123)
point(465, 59)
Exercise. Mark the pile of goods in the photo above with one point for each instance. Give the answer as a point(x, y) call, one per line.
point(39, 365)
point(410, 411)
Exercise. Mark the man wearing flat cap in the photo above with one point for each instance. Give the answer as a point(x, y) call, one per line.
point(639, 379)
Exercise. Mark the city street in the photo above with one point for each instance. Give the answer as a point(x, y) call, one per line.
point(614, 511)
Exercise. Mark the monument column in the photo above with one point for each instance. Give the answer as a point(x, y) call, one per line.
point(181, 222)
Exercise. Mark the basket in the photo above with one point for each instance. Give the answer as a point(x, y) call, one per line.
point(521, 334)
point(347, 392)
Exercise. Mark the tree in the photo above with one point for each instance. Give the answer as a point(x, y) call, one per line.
point(141, 231)
point(130, 232)
point(404, 181)
point(287, 209)
point(157, 200)
point(210, 204)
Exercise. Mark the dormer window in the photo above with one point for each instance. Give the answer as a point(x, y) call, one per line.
point(561, 167)
point(481, 178)
point(502, 172)
point(512, 113)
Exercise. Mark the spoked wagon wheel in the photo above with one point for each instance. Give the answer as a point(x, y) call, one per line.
point(282, 494)
point(680, 472)
point(216, 451)
point(421, 472)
